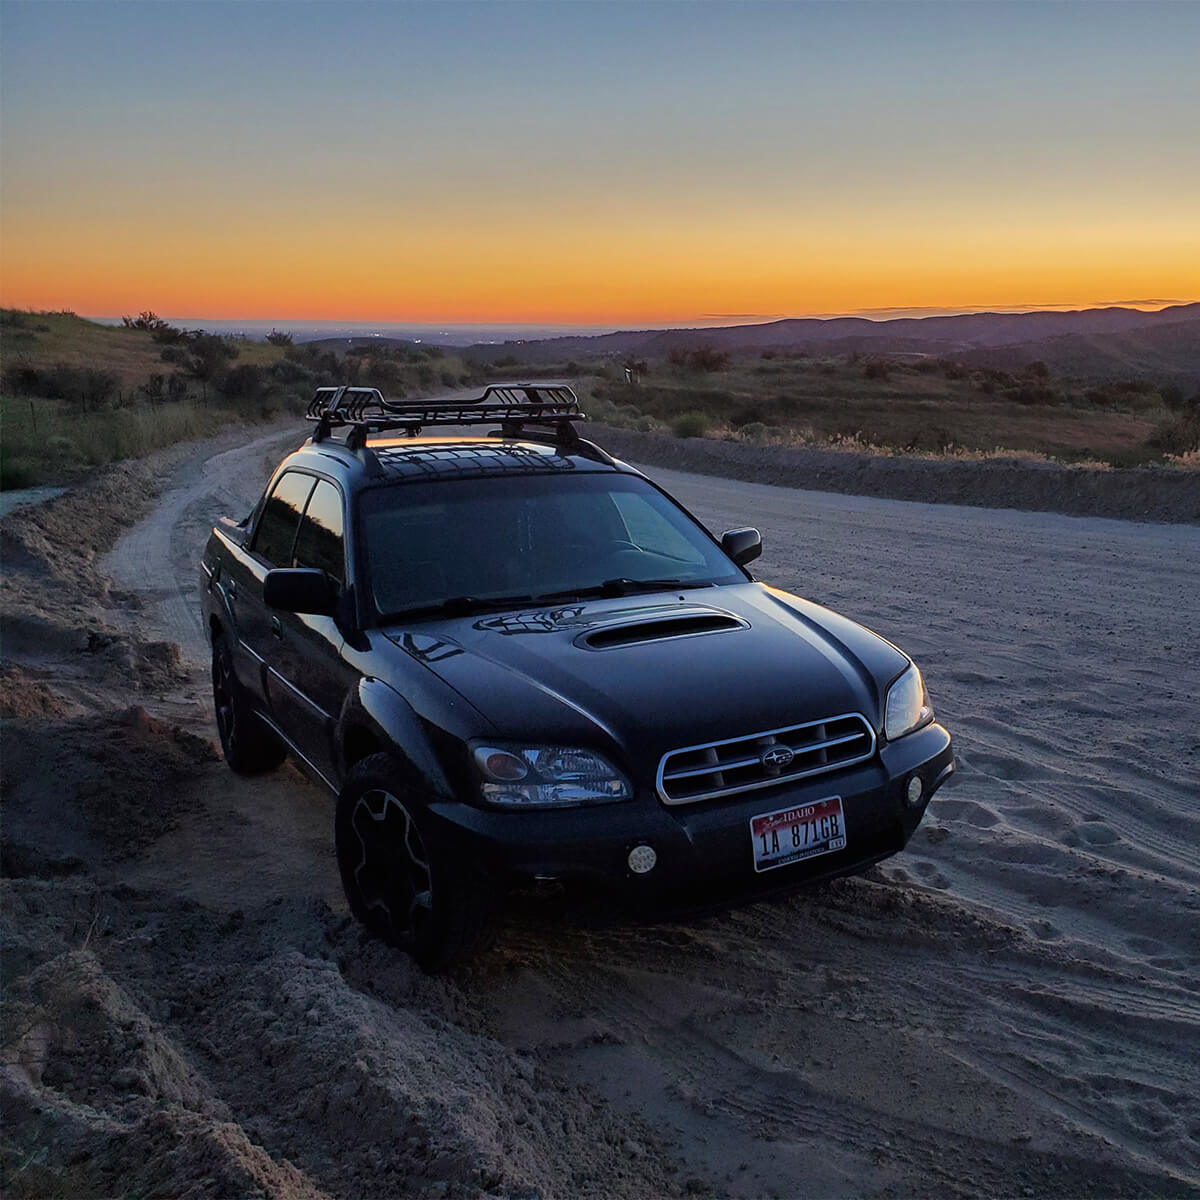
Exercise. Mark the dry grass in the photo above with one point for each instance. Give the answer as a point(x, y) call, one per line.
point(257, 354)
point(833, 402)
point(46, 339)
point(48, 441)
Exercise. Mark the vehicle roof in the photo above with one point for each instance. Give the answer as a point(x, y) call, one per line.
point(404, 459)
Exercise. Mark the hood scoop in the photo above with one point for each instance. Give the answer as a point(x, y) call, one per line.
point(691, 624)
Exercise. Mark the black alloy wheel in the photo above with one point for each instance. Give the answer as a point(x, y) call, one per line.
point(415, 895)
point(392, 877)
point(248, 744)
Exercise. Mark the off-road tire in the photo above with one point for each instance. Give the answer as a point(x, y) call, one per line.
point(249, 746)
point(403, 886)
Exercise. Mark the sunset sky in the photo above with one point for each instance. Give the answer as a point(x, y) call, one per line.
point(596, 163)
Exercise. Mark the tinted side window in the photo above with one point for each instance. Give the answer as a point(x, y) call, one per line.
point(277, 527)
point(319, 542)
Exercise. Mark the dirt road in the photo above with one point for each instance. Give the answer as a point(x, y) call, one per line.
point(1010, 1007)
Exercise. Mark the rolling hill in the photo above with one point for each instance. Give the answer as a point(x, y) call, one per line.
point(1100, 342)
point(1160, 352)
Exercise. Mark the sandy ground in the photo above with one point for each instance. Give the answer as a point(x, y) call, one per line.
point(1010, 1007)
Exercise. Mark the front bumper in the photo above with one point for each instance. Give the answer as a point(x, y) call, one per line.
point(704, 853)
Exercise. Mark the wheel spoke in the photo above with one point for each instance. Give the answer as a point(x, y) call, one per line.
point(393, 874)
point(223, 696)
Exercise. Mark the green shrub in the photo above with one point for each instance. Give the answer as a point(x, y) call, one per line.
point(1178, 435)
point(89, 389)
point(755, 431)
point(1030, 394)
point(17, 473)
point(243, 383)
point(699, 358)
point(690, 424)
point(598, 408)
point(930, 437)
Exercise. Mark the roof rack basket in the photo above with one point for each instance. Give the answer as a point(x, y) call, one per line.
point(362, 410)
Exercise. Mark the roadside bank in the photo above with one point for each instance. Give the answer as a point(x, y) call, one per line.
point(1166, 495)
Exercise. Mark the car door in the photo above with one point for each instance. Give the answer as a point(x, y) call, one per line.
point(308, 678)
point(259, 630)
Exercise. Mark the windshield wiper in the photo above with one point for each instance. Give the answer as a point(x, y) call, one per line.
point(623, 587)
point(462, 606)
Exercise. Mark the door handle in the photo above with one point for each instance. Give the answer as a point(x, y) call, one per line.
point(231, 588)
point(276, 627)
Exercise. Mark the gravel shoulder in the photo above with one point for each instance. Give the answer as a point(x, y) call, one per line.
point(1010, 1007)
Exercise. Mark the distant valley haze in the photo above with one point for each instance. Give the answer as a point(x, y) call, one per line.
point(449, 333)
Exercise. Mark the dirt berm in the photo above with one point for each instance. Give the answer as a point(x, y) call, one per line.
point(1131, 494)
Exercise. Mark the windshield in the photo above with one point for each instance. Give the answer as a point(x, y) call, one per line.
point(469, 544)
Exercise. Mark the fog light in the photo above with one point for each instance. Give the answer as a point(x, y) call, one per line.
point(642, 859)
point(916, 789)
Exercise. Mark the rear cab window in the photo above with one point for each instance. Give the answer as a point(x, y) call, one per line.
point(320, 541)
point(276, 532)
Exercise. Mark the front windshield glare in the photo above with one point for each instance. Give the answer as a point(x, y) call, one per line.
point(530, 537)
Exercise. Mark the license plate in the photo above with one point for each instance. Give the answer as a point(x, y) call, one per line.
point(793, 834)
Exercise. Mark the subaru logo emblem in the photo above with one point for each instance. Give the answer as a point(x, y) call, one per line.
point(776, 758)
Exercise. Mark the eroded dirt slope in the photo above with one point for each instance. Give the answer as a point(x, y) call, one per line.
point(1010, 1007)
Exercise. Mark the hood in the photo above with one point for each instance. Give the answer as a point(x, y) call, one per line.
point(649, 674)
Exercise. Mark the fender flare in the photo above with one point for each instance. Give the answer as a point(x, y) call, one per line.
point(379, 711)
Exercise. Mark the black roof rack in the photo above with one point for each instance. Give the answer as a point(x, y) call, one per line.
point(362, 410)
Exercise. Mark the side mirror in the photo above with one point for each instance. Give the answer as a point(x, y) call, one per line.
point(742, 545)
point(300, 590)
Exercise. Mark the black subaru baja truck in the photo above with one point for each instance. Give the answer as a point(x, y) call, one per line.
point(512, 657)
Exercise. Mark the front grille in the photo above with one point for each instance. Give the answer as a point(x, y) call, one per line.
point(761, 760)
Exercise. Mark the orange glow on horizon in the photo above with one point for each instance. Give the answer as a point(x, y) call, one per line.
point(582, 264)
point(588, 285)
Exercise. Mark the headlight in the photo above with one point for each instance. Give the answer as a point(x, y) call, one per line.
point(546, 776)
point(908, 706)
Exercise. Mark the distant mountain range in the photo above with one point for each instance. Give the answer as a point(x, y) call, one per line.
point(1100, 343)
